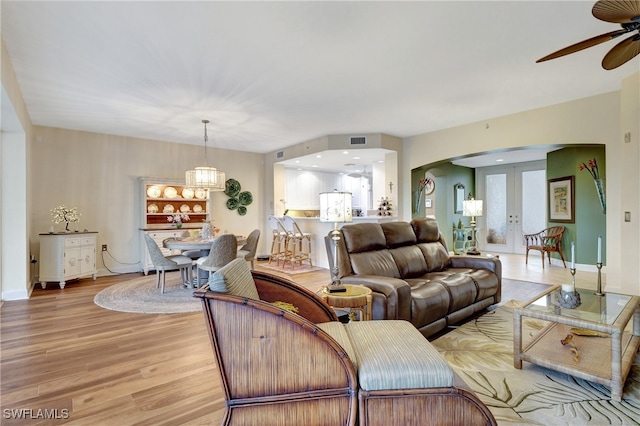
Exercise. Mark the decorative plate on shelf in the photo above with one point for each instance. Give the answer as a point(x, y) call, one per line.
point(232, 187)
point(153, 192)
point(245, 198)
point(197, 208)
point(201, 194)
point(152, 208)
point(170, 192)
point(242, 210)
point(185, 208)
point(168, 208)
point(188, 193)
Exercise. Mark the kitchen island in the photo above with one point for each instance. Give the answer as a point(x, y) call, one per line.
point(319, 230)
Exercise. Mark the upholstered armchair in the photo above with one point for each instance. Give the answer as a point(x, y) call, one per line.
point(284, 358)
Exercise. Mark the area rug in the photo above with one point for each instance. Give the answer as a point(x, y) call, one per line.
point(298, 269)
point(140, 295)
point(481, 352)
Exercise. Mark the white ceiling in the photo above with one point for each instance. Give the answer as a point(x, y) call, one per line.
point(272, 74)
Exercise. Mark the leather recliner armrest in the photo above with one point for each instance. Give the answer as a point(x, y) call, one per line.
point(493, 264)
point(396, 291)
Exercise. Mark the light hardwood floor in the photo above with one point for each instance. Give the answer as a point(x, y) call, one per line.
point(61, 353)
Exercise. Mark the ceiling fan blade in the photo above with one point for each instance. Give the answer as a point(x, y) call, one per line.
point(618, 11)
point(593, 41)
point(622, 52)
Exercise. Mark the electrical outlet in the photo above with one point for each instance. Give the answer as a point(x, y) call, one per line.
point(104, 247)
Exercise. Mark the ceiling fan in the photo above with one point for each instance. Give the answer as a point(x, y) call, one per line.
point(623, 12)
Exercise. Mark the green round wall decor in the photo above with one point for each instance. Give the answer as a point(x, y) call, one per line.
point(232, 187)
point(245, 198)
point(237, 200)
point(232, 203)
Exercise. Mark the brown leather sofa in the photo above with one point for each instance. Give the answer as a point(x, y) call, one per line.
point(412, 275)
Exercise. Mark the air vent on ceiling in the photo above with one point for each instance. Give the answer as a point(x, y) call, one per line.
point(279, 154)
point(358, 140)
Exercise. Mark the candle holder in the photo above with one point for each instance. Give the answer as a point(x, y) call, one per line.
point(573, 278)
point(599, 288)
point(568, 296)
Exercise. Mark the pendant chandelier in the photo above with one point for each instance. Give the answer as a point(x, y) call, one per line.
point(205, 176)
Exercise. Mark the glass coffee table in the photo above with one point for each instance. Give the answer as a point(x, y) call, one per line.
point(604, 351)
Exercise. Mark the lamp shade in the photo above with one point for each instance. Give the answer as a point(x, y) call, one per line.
point(335, 207)
point(205, 177)
point(472, 207)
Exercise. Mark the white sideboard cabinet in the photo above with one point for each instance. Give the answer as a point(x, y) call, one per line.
point(65, 256)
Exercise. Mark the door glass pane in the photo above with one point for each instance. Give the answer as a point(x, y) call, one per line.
point(496, 207)
point(534, 201)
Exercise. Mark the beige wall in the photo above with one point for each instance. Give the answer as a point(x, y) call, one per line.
point(594, 120)
point(99, 174)
point(15, 149)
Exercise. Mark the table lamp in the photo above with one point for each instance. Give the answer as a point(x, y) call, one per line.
point(472, 208)
point(335, 207)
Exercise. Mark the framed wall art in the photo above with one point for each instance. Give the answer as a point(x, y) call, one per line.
point(562, 199)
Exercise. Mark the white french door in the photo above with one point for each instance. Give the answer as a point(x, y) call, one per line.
point(514, 204)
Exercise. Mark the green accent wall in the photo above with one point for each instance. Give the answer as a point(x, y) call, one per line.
point(446, 176)
point(590, 220)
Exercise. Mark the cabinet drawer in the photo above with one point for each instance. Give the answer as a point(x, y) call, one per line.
point(72, 242)
point(88, 241)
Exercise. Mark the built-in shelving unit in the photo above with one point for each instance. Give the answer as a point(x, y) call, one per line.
point(163, 198)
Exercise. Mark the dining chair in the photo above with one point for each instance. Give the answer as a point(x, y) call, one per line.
point(248, 250)
point(224, 249)
point(164, 263)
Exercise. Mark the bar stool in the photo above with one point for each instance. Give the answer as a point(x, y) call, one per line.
point(278, 244)
point(298, 247)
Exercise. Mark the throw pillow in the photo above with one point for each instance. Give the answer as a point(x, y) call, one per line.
point(234, 278)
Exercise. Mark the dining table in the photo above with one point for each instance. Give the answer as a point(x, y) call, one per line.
point(196, 243)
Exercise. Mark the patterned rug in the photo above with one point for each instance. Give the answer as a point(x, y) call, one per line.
point(298, 269)
point(481, 352)
point(140, 295)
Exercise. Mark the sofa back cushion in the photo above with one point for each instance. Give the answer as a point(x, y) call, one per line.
point(410, 261)
point(398, 234)
point(436, 256)
point(377, 262)
point(426, 230)
point(362, 237)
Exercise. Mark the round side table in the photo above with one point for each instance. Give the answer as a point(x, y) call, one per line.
point(356, 298)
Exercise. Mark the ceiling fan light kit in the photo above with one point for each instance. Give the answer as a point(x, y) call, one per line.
point(623, 12)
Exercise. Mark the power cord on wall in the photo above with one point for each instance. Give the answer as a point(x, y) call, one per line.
point(116, 260)
point(32, 270)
